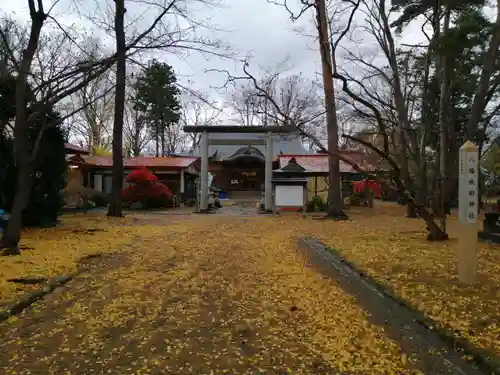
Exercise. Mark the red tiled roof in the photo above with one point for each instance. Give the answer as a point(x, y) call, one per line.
point(143, 161)
point(319, 162)
point(75, 149)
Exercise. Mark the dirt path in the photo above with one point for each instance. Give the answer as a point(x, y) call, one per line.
point(218, 295)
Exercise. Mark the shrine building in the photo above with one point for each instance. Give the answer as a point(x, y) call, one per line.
point(237, 160)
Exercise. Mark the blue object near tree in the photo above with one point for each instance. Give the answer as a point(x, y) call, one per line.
point(3, 220)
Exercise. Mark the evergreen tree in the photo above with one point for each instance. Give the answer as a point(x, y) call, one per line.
point(157, 95)
point(50, 166)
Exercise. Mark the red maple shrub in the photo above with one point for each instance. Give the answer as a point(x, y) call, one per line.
point(140, 175)
point(146, 189)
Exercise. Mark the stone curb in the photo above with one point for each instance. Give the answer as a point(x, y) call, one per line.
point(31, 298)
point(364, 288)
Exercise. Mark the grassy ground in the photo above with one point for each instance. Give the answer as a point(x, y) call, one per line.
point(393, 249)
point(222, 295)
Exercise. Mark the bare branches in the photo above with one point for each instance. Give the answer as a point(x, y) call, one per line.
point(198, 112)
point(274, 99)
point(304, 6)
point(94, 121)
point(343, 33)
point(7, 29)
point(245, 105)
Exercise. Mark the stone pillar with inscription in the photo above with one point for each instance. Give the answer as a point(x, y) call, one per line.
point(468, 212)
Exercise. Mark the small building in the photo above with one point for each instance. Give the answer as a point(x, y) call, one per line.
point(177, 172)
point(290, 187)
point(316, 168)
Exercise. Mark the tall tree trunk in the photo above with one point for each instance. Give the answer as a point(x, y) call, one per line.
point(137, 139)
point(422, 180)
point(22, 142)
point(335, 201)
point(399, 101)
point(96, 141)
point(162, 139)
point(443, 127)
point(136, 151)
point(10, 240)
point(435, 233)
point(411, 210)
point(157, 139)
point(115, 206)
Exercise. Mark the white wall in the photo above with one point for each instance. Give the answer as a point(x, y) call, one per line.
point(289, 196)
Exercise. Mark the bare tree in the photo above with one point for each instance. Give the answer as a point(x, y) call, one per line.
point(409, 112)
point(485, 85)
point(245, 105)
point(175, 139)
point(93, 122)
point(115, 204)
point(297, 97)
point(198, 111)
point(377, 21)
point(328, 62)
point(24, 153)
point(135, 133)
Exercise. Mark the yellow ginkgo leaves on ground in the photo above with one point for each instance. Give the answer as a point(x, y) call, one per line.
point(394, 251)
point(206, 294)
point(50, 252)
point(194, 294)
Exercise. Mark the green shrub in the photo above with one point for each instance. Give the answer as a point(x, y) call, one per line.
point(316, 204)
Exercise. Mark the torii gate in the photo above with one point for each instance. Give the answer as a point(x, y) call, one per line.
point(204, 142)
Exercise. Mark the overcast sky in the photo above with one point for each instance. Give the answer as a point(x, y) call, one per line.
point(251, 27)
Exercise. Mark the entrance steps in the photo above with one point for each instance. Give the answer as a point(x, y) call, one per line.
point(242, 198)
point(240, 202)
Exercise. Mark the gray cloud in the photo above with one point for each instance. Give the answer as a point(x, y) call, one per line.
point(259, 29)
